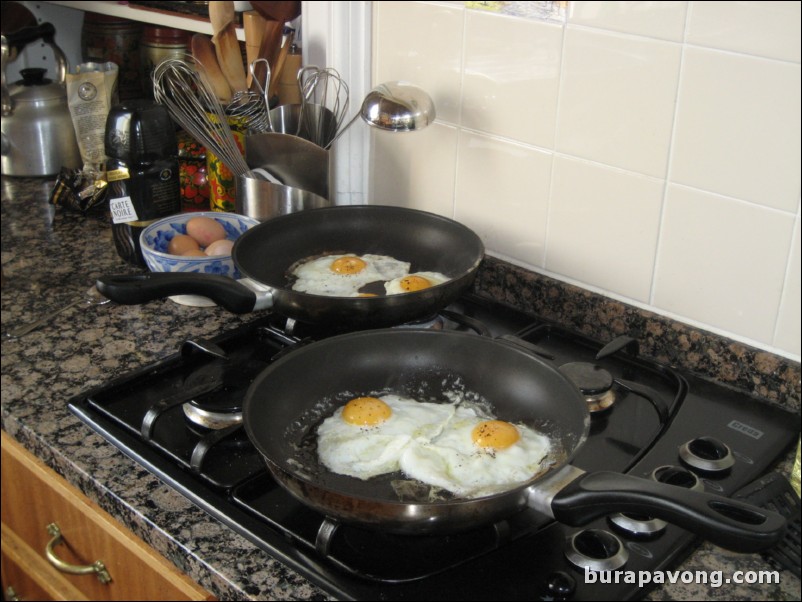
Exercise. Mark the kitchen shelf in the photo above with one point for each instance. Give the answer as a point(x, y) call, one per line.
point(147, 15)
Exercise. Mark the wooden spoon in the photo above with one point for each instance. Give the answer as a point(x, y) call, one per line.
point(221, 14)
point(276, 71)
point(269, 48)
point(206, 60)
point(229, 57)
point(278, 11)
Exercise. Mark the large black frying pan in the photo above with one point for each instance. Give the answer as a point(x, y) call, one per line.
point(287, 401)
point(265, 253)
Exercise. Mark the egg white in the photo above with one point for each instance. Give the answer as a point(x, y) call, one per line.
point(453, 462)
point(393, 287)
point(367, 451)
point(316, 277)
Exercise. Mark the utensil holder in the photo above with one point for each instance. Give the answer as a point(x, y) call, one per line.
point(295, 162)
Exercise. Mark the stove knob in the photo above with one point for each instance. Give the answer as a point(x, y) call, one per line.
point(596, 549)
point(707, 454)
point(561, 585)
point(676, 475)
point(642, 526)
point(637, 525)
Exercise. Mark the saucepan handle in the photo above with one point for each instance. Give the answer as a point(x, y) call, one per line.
point(729, 523)
point(133, 289)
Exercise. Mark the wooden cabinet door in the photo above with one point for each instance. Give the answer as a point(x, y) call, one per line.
point(33, 496)
point(27, 576)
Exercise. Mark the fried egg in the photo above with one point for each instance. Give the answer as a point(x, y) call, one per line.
point(418, 281)
point(344, 275)
point(366, 437)
point(476, 455)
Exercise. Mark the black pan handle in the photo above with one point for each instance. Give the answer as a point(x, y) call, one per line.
point(141, 288)
point(729, 523)
point(17, 40)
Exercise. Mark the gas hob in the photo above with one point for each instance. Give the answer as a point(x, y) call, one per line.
point(178, 418)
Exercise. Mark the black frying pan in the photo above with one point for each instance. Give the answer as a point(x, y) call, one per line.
point(265, 253)
point(287, 401)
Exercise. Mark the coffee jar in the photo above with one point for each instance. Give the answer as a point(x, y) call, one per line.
point(142, 171)
point(158, 44)
point(192, 168)
point(105, 38)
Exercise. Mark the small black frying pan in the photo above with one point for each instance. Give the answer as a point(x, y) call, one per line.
point(265, 253)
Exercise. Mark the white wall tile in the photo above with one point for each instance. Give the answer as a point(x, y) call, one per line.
point(664, 20)
point(789, 332)
point(722, 262)
point(603, 224)
point(716, 113)
point(617, 100)
point(738, 127)
point(415, 169)
point(512, 76)
point(768, 29)
point(421, 43)
point(502, 193)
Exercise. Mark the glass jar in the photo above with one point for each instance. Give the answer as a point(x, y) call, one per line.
point(158, 44)
point(192, 169)
point(104, 39)
point(222, 182)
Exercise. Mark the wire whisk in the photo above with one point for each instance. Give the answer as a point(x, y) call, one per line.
point(191, 101)
point(254, 106)
point(324, 103)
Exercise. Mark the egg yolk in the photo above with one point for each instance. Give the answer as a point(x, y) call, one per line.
point(366, 411)
point(347, 265)
point(495, 433)
point(414, 283)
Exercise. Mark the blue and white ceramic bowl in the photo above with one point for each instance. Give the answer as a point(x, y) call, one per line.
point(155, 238)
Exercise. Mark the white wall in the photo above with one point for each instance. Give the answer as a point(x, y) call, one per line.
point(649, 151)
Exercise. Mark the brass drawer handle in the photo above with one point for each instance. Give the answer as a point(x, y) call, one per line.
point(97, 567)
point(11, 595)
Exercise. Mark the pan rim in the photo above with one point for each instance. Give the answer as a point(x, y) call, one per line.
point(276, 222)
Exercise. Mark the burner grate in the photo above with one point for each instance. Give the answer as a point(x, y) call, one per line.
point(373, 554)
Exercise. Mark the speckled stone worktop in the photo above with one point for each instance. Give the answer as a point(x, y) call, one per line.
point(50, 259)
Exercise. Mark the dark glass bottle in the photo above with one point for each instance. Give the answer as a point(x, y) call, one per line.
point(142, 170)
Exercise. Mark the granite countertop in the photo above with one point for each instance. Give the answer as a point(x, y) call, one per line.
point(50, 259)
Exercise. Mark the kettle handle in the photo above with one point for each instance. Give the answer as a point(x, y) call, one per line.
point(17, 40)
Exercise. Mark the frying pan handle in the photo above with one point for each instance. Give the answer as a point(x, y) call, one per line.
point(729, 523)
point(141, 288)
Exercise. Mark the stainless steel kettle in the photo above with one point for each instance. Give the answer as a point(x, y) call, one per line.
point(38, 137)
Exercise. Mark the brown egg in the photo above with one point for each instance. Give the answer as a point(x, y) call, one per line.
point(194, 253)
point(205, 230)
point(181, 243)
